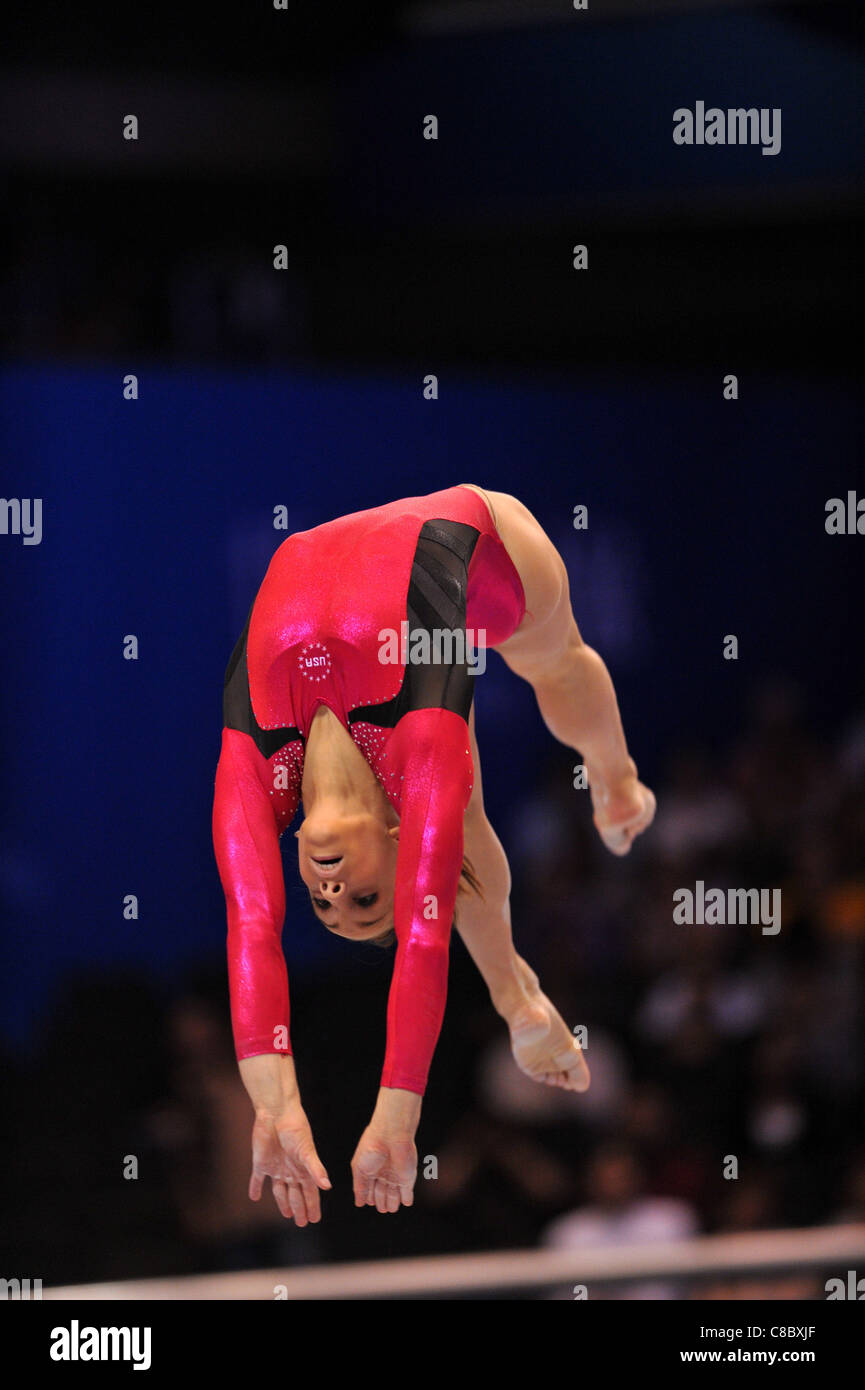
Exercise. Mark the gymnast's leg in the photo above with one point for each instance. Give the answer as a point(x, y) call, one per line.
point(578, 703)
point(542, 1044)
point(572, 685)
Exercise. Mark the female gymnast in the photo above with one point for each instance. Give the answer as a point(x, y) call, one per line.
point(350, 689)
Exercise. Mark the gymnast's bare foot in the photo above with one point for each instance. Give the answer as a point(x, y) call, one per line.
point(542, 1045)
point(622, 812)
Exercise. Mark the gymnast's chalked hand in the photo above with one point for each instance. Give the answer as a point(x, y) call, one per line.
point(283, 1150)
point(384, 1169)
point(622, 813)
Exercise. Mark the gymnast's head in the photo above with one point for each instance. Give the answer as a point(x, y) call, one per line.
point(347, 860)
point(348, 841)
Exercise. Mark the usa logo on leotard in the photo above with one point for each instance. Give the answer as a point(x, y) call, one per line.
point(314, 661)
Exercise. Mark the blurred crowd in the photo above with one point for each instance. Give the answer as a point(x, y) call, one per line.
point(727, 1064)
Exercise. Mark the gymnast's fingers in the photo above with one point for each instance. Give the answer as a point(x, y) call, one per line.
point(312, 1199)
point(298, 1204)
point(280, 1196)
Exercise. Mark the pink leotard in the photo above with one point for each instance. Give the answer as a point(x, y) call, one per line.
point(313, 638)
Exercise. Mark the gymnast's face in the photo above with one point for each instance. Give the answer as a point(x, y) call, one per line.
point(348, 863)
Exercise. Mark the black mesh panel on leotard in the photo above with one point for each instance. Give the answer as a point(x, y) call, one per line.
point(237, 704)
point(436, 601)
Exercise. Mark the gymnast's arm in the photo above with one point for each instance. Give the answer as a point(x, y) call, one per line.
point(431, 749)
point(246, 845)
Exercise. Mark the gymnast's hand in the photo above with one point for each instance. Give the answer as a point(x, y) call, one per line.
point(623, 810)
point(384, 1166)
point(282, 1143)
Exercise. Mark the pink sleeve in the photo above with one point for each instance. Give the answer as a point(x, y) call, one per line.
point(246, 844)
point(430, 751)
